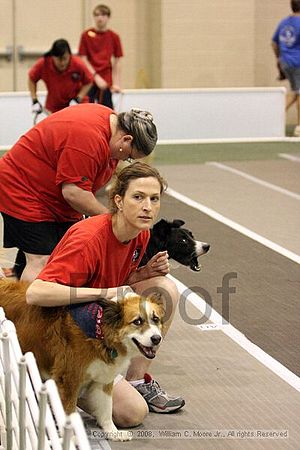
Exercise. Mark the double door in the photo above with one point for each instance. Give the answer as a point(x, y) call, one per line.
point(28, 29)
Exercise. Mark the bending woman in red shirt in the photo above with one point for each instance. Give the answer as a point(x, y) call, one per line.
point(50, 176)
point(100, 257)
point(66, 77)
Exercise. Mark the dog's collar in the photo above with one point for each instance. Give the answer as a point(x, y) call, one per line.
point(88, 316)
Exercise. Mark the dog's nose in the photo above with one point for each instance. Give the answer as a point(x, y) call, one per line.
point(156, 338)
point(206, 247)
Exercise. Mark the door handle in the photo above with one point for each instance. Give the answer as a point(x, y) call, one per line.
point(31, 53)
point(20, 51)
point(7, 53)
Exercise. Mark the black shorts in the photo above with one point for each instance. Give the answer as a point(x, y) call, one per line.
point(37, 238)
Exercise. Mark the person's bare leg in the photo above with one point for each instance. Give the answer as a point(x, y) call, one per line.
point(139, 365)
point(298, 110)
point(290, 99)
point(129, 407)
point(34, 265)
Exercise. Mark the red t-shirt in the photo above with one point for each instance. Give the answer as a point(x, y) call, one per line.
point(61, 86)
point(90, 255)
point(70, 146)
point(99, 47)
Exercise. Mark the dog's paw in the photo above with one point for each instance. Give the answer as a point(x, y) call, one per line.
point(124, 435)
point(119, 435)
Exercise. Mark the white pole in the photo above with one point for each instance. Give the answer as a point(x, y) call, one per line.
point(68, 432)
point(79, 431)
point(22, 403)
point(36, 386)
point(42, 418)
point(7, 394)
point(56, 404)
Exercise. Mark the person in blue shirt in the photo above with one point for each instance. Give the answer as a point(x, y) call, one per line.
point(286, 46)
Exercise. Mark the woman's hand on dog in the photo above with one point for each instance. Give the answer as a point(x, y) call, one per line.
point(158, 265)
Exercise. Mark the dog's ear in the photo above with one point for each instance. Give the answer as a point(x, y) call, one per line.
point(177, 223)
point(157, 298)
point(112, 312)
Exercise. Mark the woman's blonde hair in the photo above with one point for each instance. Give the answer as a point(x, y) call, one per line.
point(139, 124)
point(132, 172)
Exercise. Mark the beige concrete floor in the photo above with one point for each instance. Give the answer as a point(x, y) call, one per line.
point(272, 215)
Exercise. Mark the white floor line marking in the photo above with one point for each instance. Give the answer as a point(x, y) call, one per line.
point(238, 337)
point(289, 157)
point(234, 225)
point(226, 140)
point(255, 179)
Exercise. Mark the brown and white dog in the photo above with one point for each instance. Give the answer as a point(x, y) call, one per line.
point(91, 357)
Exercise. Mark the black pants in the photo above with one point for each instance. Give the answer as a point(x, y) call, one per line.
point(98, 96)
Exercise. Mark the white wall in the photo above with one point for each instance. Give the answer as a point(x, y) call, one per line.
point(212, 113)
point(179, 114)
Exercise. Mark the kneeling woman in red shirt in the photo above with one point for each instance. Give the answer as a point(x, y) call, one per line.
point(99, 256)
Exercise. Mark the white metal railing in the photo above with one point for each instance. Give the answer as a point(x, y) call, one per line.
point(31, 413)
